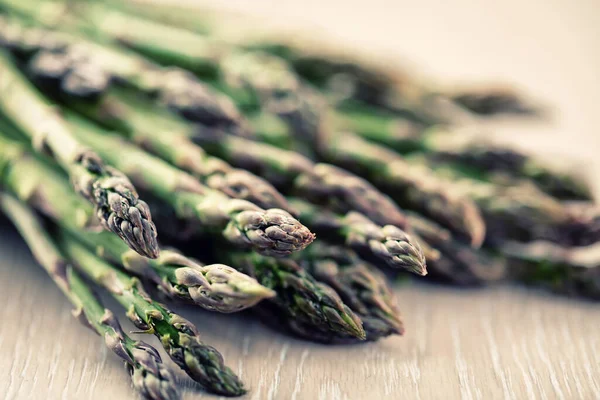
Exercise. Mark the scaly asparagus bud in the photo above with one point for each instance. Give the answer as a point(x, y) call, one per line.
point(388, 243)
point(326, 184)
point(214, 287)
point(293, 173)
point(362, 287)
point(298, 294)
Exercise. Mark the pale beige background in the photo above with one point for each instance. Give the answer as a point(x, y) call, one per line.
point(499, 343)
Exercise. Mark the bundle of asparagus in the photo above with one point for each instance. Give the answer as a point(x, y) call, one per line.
point(242, 149)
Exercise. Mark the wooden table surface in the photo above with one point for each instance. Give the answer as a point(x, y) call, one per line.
point(495, 343)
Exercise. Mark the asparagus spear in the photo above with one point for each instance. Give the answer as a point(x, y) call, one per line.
point(271, 232)
point(480, 157)
point(299, 296)
point(387, 243)
point(151, 379)
point(295, 174)
point(573, 272)
point(116, 201)
point(178, 336)
point(410, 186)
point(519, 211)
point(359, 284)
point(489, 101)
point(215, 287)
point(457, 263)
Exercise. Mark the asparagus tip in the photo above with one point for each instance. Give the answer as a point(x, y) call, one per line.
point(273, 232)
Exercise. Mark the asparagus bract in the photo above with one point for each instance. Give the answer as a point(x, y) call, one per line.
point(116, 201)
point(178, 336)
point(150, 377)
point(388, 243)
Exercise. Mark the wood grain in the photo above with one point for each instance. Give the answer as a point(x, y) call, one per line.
point(505, 343)
point(498, 343)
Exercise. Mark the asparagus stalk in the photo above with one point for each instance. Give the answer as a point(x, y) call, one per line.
point(521, 212)
point(215, 287)
point(574, 272)
point(151, 379)
point(360, 285)
point(489, 101)
point(178, 336)
point(480, 157)
point(387, 243)
point(457, 263)
point(295, 174)
point(69, 67)
point(116, 201)
point(410, 186)
point(299, 296)
point(270, 232)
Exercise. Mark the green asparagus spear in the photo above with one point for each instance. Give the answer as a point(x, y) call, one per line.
point(295, 174)
point(360, 285)
point(410, 186)
point(574, 272)
point(150, 377)
point(387, 243)
point(299, 295)
point(215, 287)
point(70, 67)
point(480, 157)
point(457, 263)
point(178, 336)
point(494, 100)
point(271, 232)
point(116, 201)
point(519, 211)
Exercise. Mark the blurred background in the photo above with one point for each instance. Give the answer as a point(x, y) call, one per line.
point(500, 342)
